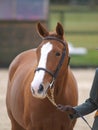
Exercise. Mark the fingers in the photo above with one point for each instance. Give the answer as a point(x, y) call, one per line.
point(67, 108)
point(61, 107)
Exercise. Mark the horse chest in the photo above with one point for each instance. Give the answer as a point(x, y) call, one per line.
point(50, 120)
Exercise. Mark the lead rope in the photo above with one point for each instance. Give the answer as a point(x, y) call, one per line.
point(52, 100)
point(84, 120)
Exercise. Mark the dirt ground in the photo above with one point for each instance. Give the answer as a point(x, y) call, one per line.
point(84, 79)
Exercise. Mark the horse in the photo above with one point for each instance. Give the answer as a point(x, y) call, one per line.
point(39, 79)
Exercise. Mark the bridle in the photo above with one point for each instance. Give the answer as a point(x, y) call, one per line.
point(54, 75)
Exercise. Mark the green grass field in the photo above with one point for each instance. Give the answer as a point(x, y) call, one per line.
point(81, 28)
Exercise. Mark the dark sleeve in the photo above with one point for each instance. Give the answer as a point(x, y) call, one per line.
point(90, 104)
point(94, 89)
point(87, 107)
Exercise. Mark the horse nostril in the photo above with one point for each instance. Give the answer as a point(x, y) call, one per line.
point(32, 90)
point(40, 88)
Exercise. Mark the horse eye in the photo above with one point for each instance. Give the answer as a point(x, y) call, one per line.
point(57, 54)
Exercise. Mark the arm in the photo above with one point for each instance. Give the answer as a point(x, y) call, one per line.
point(87, 107)
point(90, 105)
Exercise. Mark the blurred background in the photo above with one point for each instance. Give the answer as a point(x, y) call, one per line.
point(80, 21)
point(18, 19)
point(79, 18)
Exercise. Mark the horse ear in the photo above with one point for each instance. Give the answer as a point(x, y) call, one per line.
point(42, 30)
point(59, 30)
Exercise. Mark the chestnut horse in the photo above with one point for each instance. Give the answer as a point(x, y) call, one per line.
point(39, 79)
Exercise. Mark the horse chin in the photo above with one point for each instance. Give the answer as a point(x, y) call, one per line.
point(41, 96)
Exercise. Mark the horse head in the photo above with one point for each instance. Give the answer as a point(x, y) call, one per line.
point(52, 60)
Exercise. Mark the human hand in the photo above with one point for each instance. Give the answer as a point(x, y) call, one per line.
point(67, 108)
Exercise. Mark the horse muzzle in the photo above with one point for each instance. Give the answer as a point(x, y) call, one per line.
point(40, 91)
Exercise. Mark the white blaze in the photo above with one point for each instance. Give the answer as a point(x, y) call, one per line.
point(39, 75)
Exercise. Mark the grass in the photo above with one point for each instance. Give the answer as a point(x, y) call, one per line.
point(84, 40)
point(88, 60)
point(81, 28)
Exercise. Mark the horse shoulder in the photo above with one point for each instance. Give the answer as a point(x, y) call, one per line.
point(15, 73)
point(19, 60)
